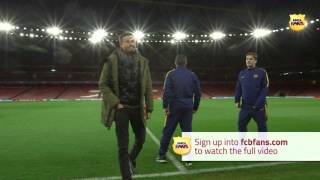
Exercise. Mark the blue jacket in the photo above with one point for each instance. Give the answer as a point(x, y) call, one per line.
point(181, 89)
point(252, 88)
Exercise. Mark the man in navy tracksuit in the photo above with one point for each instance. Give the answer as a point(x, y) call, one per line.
point(251, 91)
point(181, 98)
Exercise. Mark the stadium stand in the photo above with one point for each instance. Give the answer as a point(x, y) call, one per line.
point(89, 91)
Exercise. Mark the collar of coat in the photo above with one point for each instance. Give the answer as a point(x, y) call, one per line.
point(115, 54)
point(139, 58)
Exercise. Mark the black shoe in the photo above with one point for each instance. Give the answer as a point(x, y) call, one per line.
point(162, 159)
point(188, 163)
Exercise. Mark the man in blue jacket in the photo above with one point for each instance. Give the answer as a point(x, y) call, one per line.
point(181, 98)
point(251, 91)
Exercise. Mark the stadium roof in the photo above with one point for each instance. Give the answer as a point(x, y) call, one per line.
point(156, 15)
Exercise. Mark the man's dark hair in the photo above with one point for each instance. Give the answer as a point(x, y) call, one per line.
point(124, 34)
point(181, 60)
point(254, 54)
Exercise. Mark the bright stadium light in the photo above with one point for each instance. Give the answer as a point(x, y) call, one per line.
point(98, 36)
point(179, 35)
point(259, 33)
point(54, 30)
point(217, 35)
point(6, 26)
point(138, 35)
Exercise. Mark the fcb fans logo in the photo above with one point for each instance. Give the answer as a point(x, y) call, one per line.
point(181, 145)
point(297, 22)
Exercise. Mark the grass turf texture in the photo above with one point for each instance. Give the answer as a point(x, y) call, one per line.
point(65, 140)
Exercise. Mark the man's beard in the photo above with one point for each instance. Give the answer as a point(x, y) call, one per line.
point(132, 50)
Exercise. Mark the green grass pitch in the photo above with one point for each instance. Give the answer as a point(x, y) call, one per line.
point(65, 140)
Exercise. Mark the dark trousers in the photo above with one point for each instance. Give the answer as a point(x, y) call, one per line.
point(123, 116)
point(259, 117)
point(182, 116)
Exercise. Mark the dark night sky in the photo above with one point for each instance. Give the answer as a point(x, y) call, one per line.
point(282, 52)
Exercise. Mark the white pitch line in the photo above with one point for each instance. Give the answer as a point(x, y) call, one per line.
point(196, 171)
point(170, 156)
point(231, 168)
